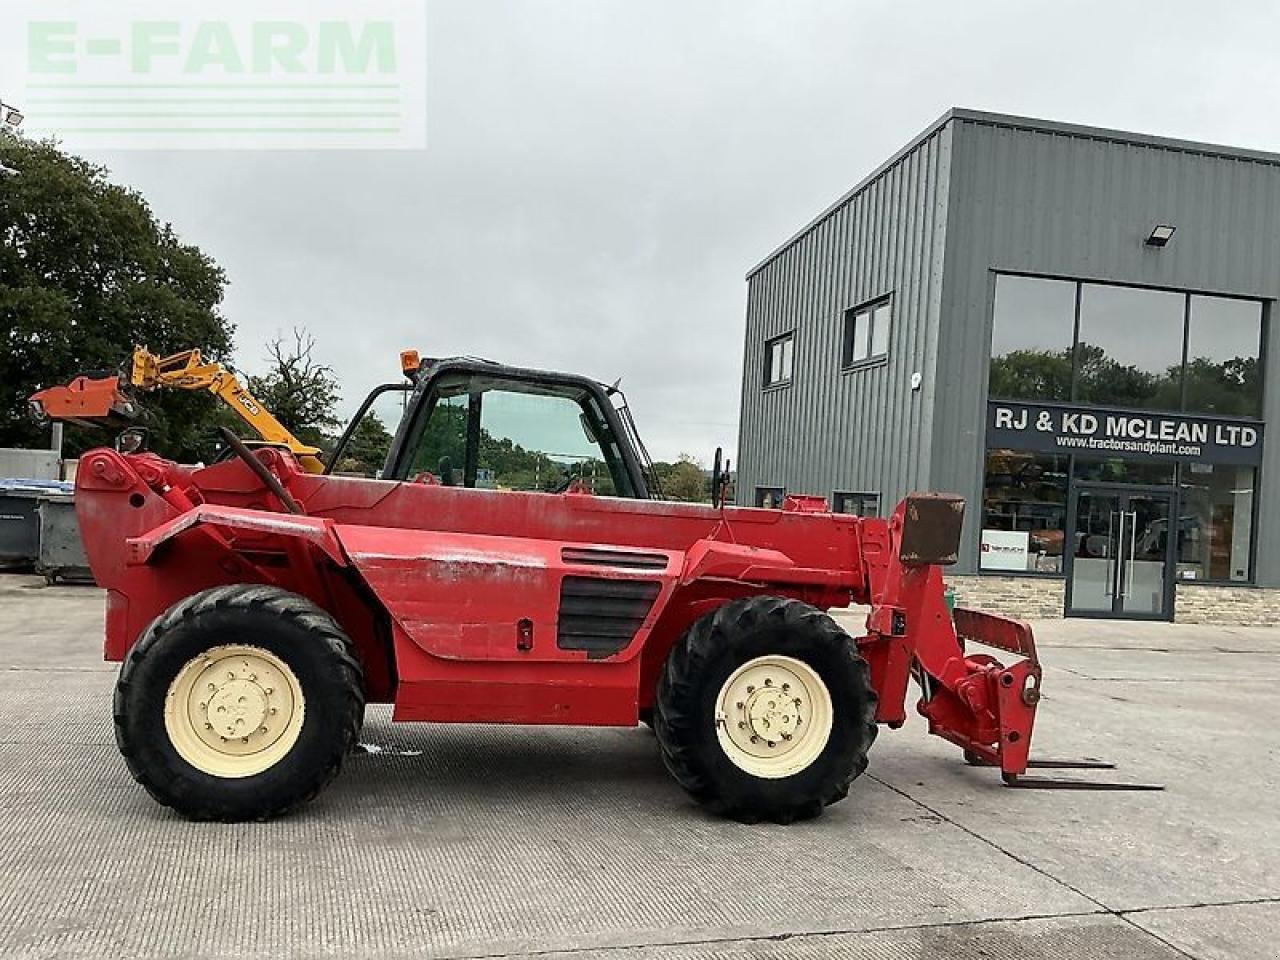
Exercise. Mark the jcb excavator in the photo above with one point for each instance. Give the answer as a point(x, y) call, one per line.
point(111, 400)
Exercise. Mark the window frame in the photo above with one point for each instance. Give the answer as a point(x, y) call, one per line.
point(772, 489)
point(779, 341)
point(1255, 506)
point(862, 496)
point(1264, 323)
point(422, 404)
point(1174, 490)
point(981, 525)
point(848, 331)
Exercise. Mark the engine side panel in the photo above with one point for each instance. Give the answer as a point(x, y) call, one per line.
point(512, 629)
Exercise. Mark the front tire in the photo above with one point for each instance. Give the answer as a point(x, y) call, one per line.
point(239, 703)
point(765, 711)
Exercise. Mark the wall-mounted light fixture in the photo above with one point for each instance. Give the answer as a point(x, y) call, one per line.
point(10, 117)
point(1160, 234)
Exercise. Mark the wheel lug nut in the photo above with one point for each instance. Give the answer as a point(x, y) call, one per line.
point(768, 681)
point(754, 738)
point(270, 691)
point(786, 687)
point(772, 744)
point(262, 730)
point(741, 705)
point(751, 689)
point(273, 710)
point(742, 724)
point(786, 736)
point(208, 726)
point(244, 739)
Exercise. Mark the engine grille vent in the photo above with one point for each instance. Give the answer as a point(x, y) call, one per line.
point(602, 616)
point(620, 559)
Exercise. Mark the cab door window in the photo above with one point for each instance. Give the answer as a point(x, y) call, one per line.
point(531, 441)
point(515, 436)
point(442, 446)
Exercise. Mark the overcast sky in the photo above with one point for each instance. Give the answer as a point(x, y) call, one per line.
point(600, 174)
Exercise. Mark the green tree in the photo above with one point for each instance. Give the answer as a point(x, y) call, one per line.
point(684, 480)
point(366, 452)
point(1101, 379)
point(1232, 386)
point(87, 272)
point(1031, 375)
point(299, 390)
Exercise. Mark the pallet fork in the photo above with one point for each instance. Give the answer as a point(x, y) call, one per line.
point(1017, 696)
point(969, 698)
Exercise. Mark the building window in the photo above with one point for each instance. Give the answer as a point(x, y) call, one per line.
point(1031, 339)
point(1067, 341)
point(1119, 470)
point(1024, 511)
point(858, 504)
point(1129, 347)
point(778, 360)
point(1224, 340)
point(866, 332)
point(1215, 522)
point(770, 497)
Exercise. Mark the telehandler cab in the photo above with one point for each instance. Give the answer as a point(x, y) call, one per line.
point(512, 564)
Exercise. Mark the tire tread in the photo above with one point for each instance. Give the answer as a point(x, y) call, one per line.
point(681, 692)
point(270, 599)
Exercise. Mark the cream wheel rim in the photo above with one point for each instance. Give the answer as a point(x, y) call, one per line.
point(234, 711)
point(773, 716)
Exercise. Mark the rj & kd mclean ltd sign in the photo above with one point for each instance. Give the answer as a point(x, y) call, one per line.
point(1055, 428)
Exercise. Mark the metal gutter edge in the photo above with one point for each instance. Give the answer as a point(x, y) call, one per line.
point(1115, 136)
point(1021, 123)
point(862, 184)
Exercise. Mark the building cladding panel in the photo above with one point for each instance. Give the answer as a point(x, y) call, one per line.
point(977, 194)
point(862, 429)
point(1052, 200)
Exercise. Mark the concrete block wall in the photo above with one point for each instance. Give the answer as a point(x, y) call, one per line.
point(1027, 598)
point(25, 464)
point(1043, 598)
point(1228, 606)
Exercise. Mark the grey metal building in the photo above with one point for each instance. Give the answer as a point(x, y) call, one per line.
point(1067, 325)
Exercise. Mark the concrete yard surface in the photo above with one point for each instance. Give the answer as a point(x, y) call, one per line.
point(468, 841)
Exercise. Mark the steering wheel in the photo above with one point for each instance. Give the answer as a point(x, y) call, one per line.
point(571, 484)
point(260, 471)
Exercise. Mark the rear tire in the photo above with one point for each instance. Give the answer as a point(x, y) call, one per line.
point(239, 703)
point(717, 711)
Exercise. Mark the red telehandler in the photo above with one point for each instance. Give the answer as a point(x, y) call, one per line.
point(257, 607)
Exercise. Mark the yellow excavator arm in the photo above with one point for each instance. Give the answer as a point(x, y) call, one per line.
point(110, 401)
point(188, 371)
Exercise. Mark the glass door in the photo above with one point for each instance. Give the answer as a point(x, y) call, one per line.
point(1121, 556)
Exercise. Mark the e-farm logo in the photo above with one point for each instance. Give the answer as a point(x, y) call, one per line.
point(270, 74)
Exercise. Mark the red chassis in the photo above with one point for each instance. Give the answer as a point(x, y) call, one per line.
point(455, 599)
